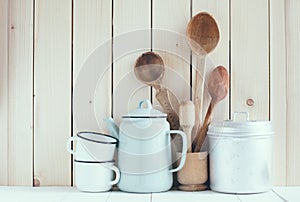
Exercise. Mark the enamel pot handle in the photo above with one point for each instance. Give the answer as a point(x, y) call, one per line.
point(184, 149)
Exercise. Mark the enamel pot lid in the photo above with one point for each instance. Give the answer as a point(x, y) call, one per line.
point(240, 128)
point(145, 110)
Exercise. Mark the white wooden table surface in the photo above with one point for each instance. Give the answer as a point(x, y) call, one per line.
point(65, 194)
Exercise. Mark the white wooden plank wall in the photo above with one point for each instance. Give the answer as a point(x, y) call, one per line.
point(3, 91)
point(52, 89)
point(293, 90)
point(250, 58)
point(20, 85)
point(169, 42)
point(92, 28)
point(278, 89)
point(259, 45)
point(129, 17)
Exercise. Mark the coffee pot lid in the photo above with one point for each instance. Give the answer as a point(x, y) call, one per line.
point(145, 112)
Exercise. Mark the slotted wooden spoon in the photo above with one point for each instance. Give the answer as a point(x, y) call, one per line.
point(149, 69)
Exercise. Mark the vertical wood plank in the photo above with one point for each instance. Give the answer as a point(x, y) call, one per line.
point(20, 75)
point(52, 84)
point(293, 91)
point(92, 27)
point(250, 57)
point(128, 17)
point(278, 89)
point(170, 42)
point(3, 91)
point(220, 55)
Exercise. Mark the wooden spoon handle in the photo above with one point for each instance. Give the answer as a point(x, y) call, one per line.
point(198, 93)
point(162, 97)
point(174, 102)
point(187, 120)
point(187, 131)
point(200, 136)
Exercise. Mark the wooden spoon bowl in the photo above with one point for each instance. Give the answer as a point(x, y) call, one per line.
point(203, 33)
point(149, 68)
point(218, 84)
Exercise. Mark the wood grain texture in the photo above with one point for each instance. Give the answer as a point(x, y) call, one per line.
point(52, 82)
point(127, 90)
point(170, 43)
point(278, 89)
point(250, 57)
point(4, 91)
point(92, 28)
point(20, 94)
point(293, 91)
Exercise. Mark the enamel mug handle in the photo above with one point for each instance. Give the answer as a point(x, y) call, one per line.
point(70, 140)
point(117, 171)
point(184, 149)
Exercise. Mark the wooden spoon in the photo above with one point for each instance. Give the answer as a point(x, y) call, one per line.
point(218, 86)
point(187, 120)
point(149, 69)
point(203, 36)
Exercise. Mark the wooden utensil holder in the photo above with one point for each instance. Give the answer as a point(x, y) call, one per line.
point(194, 173)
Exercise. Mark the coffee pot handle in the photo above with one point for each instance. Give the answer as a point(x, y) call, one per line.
point(184, 149)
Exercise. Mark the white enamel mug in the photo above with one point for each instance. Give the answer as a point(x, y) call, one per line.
point(93, 176)
point(92, 146)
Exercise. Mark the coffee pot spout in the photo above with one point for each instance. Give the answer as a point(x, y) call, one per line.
point(112, 127)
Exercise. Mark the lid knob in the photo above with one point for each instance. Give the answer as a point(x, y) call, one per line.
point(147, 102)
point(243, 113)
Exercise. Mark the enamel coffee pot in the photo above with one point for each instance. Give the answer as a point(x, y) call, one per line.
point(144, 151)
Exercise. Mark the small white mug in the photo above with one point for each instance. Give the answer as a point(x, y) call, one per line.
point(91, 146)
point(95, 176)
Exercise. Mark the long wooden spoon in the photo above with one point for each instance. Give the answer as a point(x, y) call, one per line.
point(203, 37)
point(218, 86)
point(149, 69)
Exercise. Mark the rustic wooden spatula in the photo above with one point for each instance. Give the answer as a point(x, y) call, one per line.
point(149, 69)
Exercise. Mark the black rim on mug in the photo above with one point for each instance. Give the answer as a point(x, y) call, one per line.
point(97, 141)
point(79, 161)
